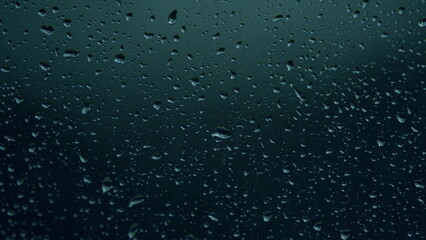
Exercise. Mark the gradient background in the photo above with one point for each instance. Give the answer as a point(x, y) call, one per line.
point(336, 143)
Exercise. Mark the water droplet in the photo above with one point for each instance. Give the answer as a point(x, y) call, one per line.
point(194, 81)
point(129, 16)
point(44, 66)
point(289, 65)
point(422, 22)
point(120, 58)
point(41, 12)
point(419, 184)
point(267, 216)
point(356, 14)
point(278, 18)
point(87, 179)
point(223, 95)
point(67, 22)
point(48, 30)
point(220, 51)
point(317, 226)
point(134, 228)
point(70, 53)
point(222, 133)
point(345, 234)
point(156, 156)
point(19, 99)
point(136, 200)
point(400, 118)
point(176, 38)
point(286, 169)
point(239, 44)
point(86, 107)
point(173, 17)
point(216, 36)
point(156, 105)
point(5, 69)
point(106, 184)
point(213, 217)
point(82, 159)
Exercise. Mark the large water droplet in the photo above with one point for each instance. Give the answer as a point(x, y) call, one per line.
point(133, 230)
point(120, 58)
point(82, 159)
point(267, 216)
point(318, 226)
point(106, 184)
point(156, 105)
point(278, 18)
point(136, 200)
point(345, 234)
point(422, 22)
point(173, 17)
point(222, 133)
point(48, 30)
point(70, 53)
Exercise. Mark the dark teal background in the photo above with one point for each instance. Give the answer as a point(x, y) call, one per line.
point(305, 146)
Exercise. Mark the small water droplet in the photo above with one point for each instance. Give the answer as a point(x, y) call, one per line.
point(44, 66)
point(289, 65)
point(380, 142)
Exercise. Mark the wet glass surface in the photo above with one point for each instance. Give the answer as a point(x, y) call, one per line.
point(212, 119)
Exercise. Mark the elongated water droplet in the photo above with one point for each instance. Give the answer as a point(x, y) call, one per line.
point(222, 133)
point(82, 159)
point(48, 30)
point(70, 53)
point(278, 18)
point(134, 228)
point(173, 17)
point(136, 200)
